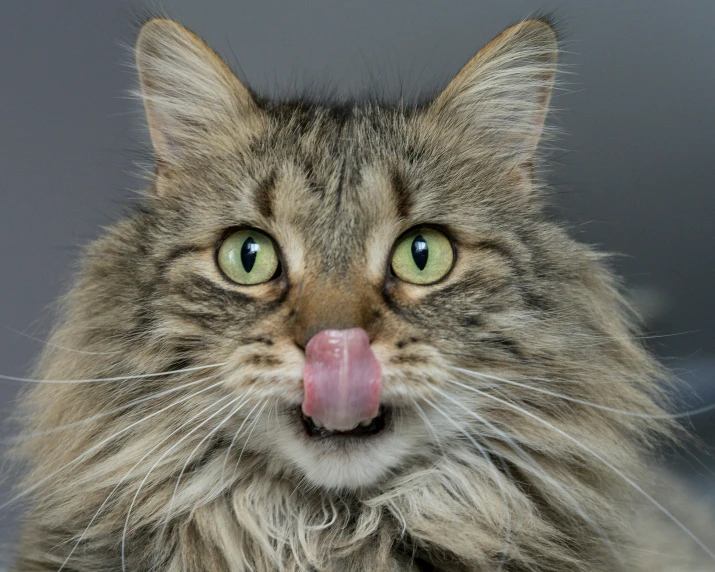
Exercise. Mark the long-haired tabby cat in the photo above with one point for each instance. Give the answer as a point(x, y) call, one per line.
point(347, 338)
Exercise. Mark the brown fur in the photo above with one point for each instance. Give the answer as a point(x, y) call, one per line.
point(481, 487)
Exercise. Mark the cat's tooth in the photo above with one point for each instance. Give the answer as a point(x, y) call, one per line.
point(318, 423)
point(365, 423)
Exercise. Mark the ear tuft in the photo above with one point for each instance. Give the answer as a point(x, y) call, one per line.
point(191, 97)
point(501, 97)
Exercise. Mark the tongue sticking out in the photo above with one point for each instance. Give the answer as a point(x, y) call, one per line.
point(342, 379)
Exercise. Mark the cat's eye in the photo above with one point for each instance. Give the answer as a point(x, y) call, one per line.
point(423, 255)
point(248, 257)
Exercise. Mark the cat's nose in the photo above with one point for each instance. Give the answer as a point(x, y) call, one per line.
point(305, 335)
point(332, 307)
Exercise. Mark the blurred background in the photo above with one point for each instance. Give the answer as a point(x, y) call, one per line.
point(635, 176)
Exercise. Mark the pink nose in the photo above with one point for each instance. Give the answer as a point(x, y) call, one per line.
point(342, 379)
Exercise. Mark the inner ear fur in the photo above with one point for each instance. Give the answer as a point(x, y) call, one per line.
point(195, 105)
point(500, 98)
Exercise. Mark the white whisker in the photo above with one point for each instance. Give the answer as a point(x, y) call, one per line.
point(60, 428)
point(167, 517)
point(615, 469)
point(102, 443)
point(233, 442)
point(532, 464)
point(139, 462)
point(59, 347)
point(428, 424)
point(188, 460)
point(243, 449)
point(681, 415)
point(496, 476)
point(220, 484)
point(163, 456)
point(106, 379)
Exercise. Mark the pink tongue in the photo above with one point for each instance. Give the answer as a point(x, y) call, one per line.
point(342, 379)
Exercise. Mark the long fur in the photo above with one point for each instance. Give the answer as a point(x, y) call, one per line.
point(173, 468)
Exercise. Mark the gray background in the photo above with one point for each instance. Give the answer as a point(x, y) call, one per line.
point(636, 174)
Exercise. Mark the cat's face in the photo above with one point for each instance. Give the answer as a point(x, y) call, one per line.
point(334, 194)
point(335, 329)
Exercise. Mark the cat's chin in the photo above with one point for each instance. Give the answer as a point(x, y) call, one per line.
point(345, 471)
point(347, 460)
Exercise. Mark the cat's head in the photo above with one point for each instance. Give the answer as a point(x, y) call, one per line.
point(355, 314)
point(386, 244)
point(377, 284)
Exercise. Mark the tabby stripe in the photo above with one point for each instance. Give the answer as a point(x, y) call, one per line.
point(265, 195)
point(403, 199)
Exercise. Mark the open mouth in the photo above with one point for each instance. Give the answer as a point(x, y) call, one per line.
point(367, 428)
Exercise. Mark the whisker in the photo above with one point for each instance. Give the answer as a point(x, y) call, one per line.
point(190, 457)
point(243, 449)
point(644, 337)
point(120, 378)
point(303, 479)
point(163, 456)
point(60, 428)
point(428, 423)
point(565, 361)
point(532, 464)
point(615, 469)
point(233, 442)
point(275, 414)
point(166, 519)
point(59, 347)
point(496, 476)
point(664, 416)
point(126, 475)
point(102, 443)
point(220, 484)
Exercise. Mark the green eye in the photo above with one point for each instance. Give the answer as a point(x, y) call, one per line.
point(423, 256)
point(248, 257)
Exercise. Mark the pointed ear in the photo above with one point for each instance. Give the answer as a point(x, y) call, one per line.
point(501, 97)
point(194, 103)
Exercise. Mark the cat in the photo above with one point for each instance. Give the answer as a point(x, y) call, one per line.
point(347, 337)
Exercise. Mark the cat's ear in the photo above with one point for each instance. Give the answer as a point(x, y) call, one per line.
point(501, 97)
point(194, 103)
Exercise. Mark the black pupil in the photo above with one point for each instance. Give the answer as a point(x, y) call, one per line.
point(249, 251)
point(420, 252)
